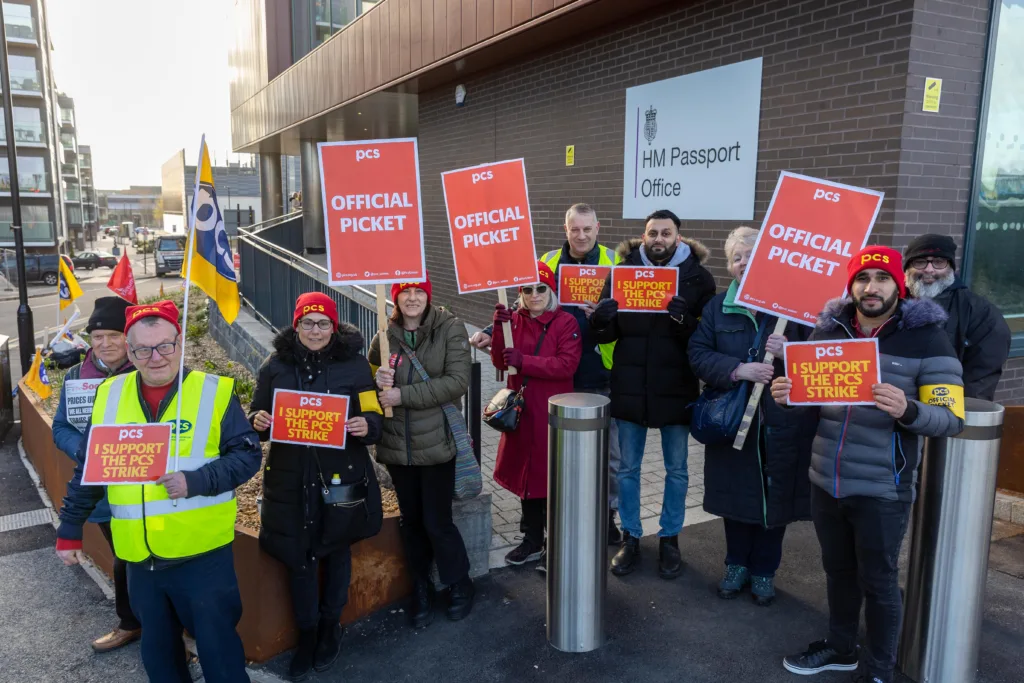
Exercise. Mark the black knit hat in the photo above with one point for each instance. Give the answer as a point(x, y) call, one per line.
point(108, 314)
point(939, 246)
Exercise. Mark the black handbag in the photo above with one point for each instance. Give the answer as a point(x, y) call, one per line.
point(353, 511)
point(504, 410)
point(717, 412)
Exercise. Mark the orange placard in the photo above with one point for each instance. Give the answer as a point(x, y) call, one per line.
point(373, 215)
point(489, 221)
point(644, 289)
point(307, 418)
point(580, 285)
point(832, 372)
point(811, 230)
point(126, 454)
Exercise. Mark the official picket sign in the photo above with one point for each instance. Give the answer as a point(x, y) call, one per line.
point(126, 454)
point(579, 285)
point(811, 230)
point(832, 372)
point(373, 215)
point(307, 418)
point(490, 228)
point(79, 395)
point(644, 289)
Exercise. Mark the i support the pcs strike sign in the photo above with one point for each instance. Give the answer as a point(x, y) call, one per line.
point(811, 230)
point(372, 211)
point(489, 219)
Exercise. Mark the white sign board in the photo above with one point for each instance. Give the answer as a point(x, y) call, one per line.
point(691, 144)
point(79, 395)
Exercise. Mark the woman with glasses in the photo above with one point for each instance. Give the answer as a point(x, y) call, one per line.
point(317, 501)
point(545, 351)
point(418, 447)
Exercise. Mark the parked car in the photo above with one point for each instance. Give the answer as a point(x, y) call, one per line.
point(94, 259)
point(170, 252)
point(38, 268)
point(110, 231)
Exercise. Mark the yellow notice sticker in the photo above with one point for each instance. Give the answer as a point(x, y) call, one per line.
point(570, 155)
point(932, 94)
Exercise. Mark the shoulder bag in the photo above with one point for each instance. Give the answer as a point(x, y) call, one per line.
point(505, 409)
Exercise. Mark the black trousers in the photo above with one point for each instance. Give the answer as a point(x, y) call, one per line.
point(860, 547)
point(309, 603)
point(754, 547)
point(122, 605)
point(535, 519)
point(428, 532)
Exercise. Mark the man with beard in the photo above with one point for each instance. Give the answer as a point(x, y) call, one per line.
point(864, 460)
point(976, 329)
point(652, 383)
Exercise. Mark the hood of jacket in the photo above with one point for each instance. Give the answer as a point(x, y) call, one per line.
point(348, 342)
point(697, 248)
point(911, 314)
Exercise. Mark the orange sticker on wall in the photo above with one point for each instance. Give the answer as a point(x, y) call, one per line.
point(126, 454)
point(644, 289)
point(308, 418)
point(580, 285)
point(832, 372)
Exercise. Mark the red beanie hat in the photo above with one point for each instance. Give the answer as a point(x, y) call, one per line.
point(882, 258)
point(547, 276)
point(315, 302)
point(400, 287)
point(161, 309)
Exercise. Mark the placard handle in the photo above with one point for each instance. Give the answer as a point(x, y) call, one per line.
point(755, 395)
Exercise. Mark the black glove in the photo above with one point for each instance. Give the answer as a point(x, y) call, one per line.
point(677, 308)
point(603, 313)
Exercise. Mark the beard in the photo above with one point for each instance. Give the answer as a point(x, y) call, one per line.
point(887, 305)
point(920, 290)
point(662, 255)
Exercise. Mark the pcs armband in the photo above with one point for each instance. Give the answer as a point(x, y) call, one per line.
point(948, 395)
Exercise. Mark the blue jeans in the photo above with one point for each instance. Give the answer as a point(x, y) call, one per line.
point(632, 439)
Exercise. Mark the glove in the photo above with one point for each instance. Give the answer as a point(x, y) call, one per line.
point(513, 358)
point(677, 308)
point(603, 314)
point(502, 314)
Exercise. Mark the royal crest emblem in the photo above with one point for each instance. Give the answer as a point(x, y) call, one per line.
point(651, 125)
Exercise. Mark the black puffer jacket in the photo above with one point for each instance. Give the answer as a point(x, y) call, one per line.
point(293, 518)
point(652, 383)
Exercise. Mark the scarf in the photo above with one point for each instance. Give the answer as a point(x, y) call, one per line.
point(681, 253)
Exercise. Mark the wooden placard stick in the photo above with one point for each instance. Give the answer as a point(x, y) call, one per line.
point(506, 328)
point(382, 328)
point(755, 395)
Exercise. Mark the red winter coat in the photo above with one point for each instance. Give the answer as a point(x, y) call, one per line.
point(522, 464)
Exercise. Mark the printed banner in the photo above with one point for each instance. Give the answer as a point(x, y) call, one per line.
point(79, 395)
point(646, 289)
point(811, 230)
point(580, 285)
point(832, 372)
point(126, 454)
point(373, 215)
point(309, 419)
point(491, 232)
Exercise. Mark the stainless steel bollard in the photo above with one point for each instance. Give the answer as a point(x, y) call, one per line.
point(949, 550)
point(577, 558)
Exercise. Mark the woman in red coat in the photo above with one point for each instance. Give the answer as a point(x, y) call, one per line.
point(522, 464)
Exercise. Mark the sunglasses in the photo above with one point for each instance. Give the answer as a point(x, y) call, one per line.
point(541, 289)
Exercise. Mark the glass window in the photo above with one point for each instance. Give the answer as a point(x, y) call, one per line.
point(24, 74)
point(28, 125)
point(997, 211)
point(18, 21)
point(31, 175)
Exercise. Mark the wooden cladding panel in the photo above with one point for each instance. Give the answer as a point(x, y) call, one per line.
point(502, 12)
point(484, 19)
point(522, 11)
point(454, 27)
point(405, 38)
point(468, 23)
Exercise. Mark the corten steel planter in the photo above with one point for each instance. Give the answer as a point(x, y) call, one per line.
point(379, 573)
point(1011, 453)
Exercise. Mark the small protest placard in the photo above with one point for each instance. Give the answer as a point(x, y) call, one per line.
point(832, 372)
point(580, 285)
point(644, 289)
point(126, 454)
point(79, 395)
point(307, 418)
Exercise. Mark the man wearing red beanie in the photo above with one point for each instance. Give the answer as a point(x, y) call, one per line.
point(174, 534)
point(864, 459)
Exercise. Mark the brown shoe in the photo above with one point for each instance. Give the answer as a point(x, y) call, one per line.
point(115, 639)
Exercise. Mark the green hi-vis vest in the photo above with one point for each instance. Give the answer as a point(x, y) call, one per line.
point(606, 257)
point(144, 521)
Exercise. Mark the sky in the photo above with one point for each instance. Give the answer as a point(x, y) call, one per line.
point(148, 77)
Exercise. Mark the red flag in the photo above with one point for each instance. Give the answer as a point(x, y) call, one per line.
point(122, 281)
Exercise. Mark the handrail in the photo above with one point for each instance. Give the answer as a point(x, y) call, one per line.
point(270, 223)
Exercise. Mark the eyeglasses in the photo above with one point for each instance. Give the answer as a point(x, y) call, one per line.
point(541, 289)
point(146, 352)
point(308, 325)
point(938, 263)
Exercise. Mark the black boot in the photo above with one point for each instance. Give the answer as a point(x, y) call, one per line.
point(670, 562)
point(328, 644)
point(614, 535)
point(421, 607)
point(628, 556)
point(302, 660)
point(460, 599)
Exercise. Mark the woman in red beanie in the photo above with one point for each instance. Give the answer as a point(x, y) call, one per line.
point(302, 526)
point(417, 446)
point(546, 348)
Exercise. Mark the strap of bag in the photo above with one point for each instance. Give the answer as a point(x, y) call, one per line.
point(756, 348)
point(540, 341)
point(456, 421)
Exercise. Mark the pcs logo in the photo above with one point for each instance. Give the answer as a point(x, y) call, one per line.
point(186, 426)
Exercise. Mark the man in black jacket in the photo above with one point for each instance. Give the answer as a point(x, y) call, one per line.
point(976, 329)
point(652, 383)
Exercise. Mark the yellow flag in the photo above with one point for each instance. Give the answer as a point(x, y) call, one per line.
point(67, 285)
point(36, 378)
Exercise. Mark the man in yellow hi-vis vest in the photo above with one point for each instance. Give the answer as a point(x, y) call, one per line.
point(174, 534)
point(594, 372)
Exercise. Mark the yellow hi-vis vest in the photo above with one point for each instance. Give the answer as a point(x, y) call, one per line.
point(606, 257)
point(144, 521)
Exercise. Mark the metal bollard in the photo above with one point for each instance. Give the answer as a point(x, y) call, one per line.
point(949, 550)
point(577, 557)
